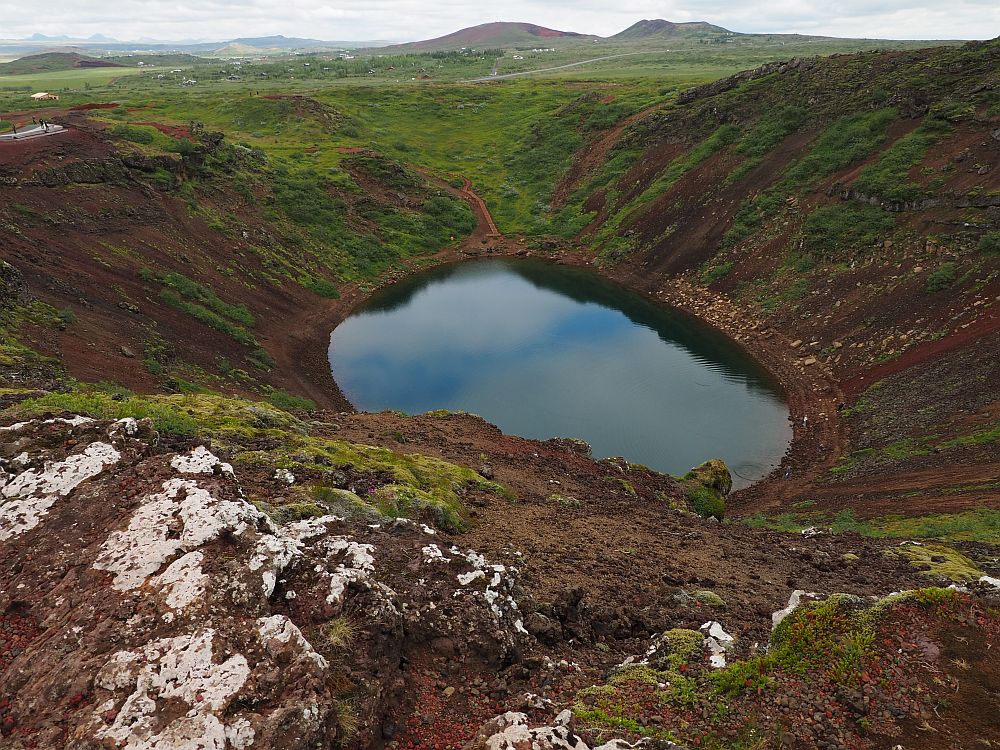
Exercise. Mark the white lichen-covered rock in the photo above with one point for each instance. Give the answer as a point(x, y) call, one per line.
point(793, 602)
point(717, 643)
point(177, 670)
point(200, 461)
point(280, 635)
point(187, 619)
point(27, 497)
point(512, 731)
point(182, 517)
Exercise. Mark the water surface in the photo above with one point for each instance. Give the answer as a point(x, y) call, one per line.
point(545, 351)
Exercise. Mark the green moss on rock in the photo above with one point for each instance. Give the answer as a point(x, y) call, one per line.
point(938, 561)
point(707, 486)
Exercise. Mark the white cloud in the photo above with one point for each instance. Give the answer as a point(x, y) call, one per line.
point(410, 19)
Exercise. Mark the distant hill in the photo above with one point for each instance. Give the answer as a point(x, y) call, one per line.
point(277, 42)
point(53, 61)
point(161, 60)
point(658, 28)
point(484, 36)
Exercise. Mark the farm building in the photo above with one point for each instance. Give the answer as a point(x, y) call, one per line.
point(45, 96)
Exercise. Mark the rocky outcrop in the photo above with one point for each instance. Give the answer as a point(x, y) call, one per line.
point(157, 608)
point(731, 82)
point(513, 731)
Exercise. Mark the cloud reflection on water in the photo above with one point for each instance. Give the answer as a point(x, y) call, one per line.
point(504, 340)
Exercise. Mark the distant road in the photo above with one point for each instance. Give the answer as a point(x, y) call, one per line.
point(557, 67)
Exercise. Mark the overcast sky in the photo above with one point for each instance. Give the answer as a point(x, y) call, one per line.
point(421, 19)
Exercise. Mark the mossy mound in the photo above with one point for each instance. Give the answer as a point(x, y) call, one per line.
point(680, 644)
point(939, 561)
point(708, 598)
point(707, 486)
point(181, 415)
point(835, 647)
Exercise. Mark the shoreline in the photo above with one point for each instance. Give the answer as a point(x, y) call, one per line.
point(812, 394)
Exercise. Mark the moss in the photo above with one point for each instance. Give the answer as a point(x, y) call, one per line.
point(402, 501)
point(297, 512)
point(834, 637)
point(420, 486)
point(706, 502)
point(939, 561)
point(708, 598)
point(706, 487)
point(344, 503)
point(637, 673)
point(628, 487)
point(183, 415)
point(683, 643)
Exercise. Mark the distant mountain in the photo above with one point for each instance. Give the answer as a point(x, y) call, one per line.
point(660, 29)
point(44, 38)
point(487, 35)
point(52, 61)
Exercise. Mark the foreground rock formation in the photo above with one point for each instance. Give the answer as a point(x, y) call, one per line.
point(161, 606)
point(148, 604)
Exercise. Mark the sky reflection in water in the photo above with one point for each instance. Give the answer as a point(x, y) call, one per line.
point(544, 351)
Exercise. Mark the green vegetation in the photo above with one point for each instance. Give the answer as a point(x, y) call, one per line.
point(288, 402)
point(724, 136)
point(400, 485)
point(942, 277)
point(829, 645)
point(834, 638)
point(192, 290)
point(843, 143)
point(765, 136)
point(840, 230)
point(889, 178)
point(980, 525)
point(938, 562)
point(706, 488)
point(989, 243)
point(14, 352)
point(133, 133)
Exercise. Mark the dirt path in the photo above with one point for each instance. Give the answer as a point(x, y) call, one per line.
point(594, 155)
point(486, 228)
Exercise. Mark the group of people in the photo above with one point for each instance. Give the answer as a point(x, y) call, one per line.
point(44, 124)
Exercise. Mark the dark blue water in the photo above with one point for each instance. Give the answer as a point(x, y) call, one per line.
point(546, 351)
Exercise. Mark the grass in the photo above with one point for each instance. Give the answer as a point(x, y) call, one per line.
point(77, 79)
point(942, 277)
point(979, 525)
point(769, 132)
point(889, 178)
point(201, 294)
point(834, 637)
point(409, 485)
point(724, 136)
point(842, 144)
point(989, 243)
point(842, 230)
